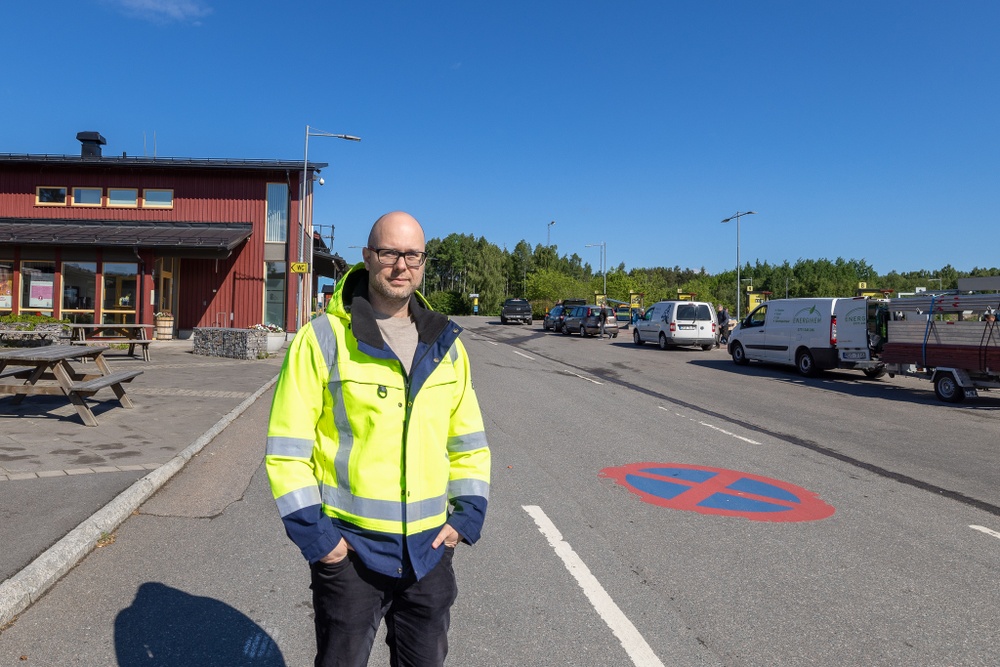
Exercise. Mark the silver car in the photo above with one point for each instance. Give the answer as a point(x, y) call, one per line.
point(586, 320)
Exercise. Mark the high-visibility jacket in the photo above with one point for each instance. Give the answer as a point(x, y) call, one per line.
point(356, 448)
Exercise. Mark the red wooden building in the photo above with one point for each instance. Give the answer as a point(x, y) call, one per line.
point(94, 238)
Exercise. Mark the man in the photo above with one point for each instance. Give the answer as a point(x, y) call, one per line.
point(377, 457)
point(723, 326)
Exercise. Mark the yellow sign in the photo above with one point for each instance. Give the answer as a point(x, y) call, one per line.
point(300, 267)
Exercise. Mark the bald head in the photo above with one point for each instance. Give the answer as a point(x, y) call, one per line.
point(396, 225)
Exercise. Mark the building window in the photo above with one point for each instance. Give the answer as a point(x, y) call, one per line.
point(38, 280)
point(274, 294)
point(277, 213)
point(6, 285)
point(79, 280)
point(157, 198)
point(120, 295)
point(123, 197)
point(50, 196)
point(88, 196)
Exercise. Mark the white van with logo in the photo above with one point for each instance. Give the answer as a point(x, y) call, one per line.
point(675, 323)
point(810, 334)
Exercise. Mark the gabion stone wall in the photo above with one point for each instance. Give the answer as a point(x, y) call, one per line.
point(23, 334)
point(232, 343)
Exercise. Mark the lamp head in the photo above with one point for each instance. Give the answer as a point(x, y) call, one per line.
point(321, 181)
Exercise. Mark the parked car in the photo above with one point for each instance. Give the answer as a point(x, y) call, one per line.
point(586, 320)
point(554, 319)
point(515, 310)
point(674, 323)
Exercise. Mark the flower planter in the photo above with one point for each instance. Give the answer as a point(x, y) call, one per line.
point(165, 327)
point(275, 341)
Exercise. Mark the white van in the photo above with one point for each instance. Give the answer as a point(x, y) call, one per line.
point(810, 334)
point(674, 323)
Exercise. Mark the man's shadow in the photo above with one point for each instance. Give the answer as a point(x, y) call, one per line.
point(167, 627)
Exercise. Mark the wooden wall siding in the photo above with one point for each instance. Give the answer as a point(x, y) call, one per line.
point(199, 196)
point(212, 289)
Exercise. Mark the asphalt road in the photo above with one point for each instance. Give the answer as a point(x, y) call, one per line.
point(573, 568)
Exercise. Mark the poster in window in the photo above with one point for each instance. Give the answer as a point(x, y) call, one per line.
point(40, 294)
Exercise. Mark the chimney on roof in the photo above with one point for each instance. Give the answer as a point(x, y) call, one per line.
point(91, 143)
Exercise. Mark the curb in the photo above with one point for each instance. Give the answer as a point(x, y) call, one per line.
point(27, 586)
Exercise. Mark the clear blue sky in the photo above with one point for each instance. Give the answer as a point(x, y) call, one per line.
point(856, 129)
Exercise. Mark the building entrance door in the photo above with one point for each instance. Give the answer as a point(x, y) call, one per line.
point(166, 290)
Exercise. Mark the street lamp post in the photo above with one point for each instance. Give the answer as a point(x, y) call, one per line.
point(548, 234)
point(603, 245)
point(310, 132)
point(737, 219)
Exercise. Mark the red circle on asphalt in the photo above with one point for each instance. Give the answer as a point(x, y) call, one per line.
point(708, 490)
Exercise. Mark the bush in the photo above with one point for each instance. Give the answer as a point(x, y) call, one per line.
point(450, 303)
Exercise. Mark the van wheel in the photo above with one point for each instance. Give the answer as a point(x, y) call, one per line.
point(740, 355)
point(875, 373)
point(635, 337)
point(806, 363)
point(947, 388)
point(707, 347)
point(564, 329)
point(663, 341)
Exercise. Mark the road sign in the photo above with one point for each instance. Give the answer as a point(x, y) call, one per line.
point(719, 491)
point(300, 267)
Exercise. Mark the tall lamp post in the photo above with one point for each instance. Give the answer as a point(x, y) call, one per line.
point(603, 245)
point(737, 219)
point(548, 234)
point(310, 132)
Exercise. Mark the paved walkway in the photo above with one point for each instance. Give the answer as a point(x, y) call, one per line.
point(62, 483)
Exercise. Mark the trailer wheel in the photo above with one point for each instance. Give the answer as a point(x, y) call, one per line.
point(875, 373)
point(947, 388)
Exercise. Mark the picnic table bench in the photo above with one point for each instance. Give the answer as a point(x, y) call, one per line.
point(132, 334)
point(47, 371)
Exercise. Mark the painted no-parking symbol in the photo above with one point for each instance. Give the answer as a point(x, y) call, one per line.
point(719, 491)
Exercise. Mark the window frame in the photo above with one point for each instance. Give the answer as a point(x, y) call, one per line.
point(146, 204)
point(38, 195)
point(135, 199)
point(86, 204)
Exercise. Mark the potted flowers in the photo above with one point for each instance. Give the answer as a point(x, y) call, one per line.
point(164, 325)
point(275, 336)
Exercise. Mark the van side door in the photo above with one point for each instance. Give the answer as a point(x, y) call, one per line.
point(647, 325)
point(753, 330)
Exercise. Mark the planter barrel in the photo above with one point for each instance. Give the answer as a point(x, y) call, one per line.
point(165, 328)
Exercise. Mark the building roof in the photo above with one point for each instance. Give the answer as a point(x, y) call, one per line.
point(216, 236)
point(162, 162)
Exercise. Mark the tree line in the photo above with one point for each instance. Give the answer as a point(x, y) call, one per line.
point(461, 264)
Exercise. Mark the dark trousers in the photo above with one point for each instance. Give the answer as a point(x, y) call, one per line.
point(350, 601)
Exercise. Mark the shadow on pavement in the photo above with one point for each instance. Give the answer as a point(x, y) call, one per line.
point(167, 627)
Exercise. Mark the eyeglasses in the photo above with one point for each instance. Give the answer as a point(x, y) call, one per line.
point(389, 257)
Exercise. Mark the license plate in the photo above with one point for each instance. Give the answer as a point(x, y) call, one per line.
point(686, 327)
point(855, 355)
point(971, 393)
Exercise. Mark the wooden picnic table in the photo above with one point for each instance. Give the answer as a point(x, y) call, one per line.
point(47, 370)
point(132, 334)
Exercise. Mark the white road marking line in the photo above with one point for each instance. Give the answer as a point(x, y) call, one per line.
point(716, 428)
point(738, 437)
point(524, 355)
point(984, 529)
point(633, 642)
point(582, 377)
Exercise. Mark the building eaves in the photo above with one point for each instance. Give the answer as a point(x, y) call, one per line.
point(178, 235)
point(159, 162)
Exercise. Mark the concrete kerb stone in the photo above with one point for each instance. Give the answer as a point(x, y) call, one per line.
point(27, 586)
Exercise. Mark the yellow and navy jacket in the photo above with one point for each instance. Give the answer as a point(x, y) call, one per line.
point(356, 448)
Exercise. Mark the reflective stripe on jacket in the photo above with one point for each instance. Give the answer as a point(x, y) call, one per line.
point(358, 449)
